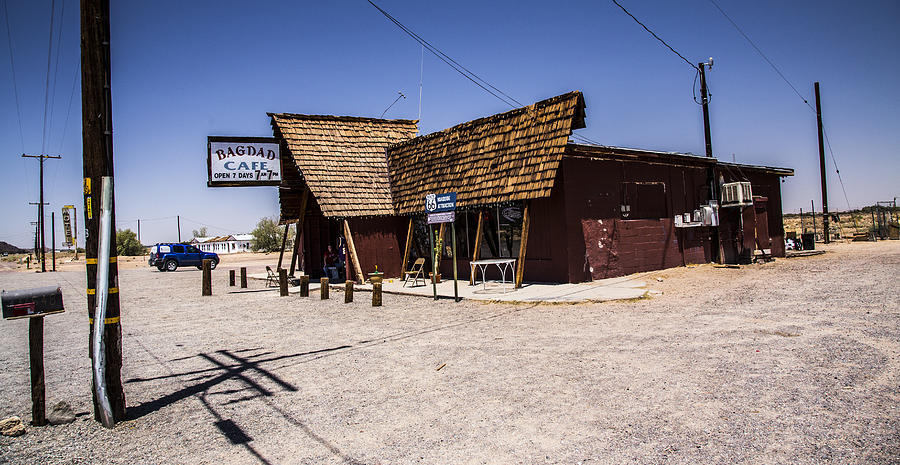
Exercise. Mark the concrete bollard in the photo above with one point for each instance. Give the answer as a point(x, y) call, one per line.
point(324, 288)
point(231, 278)
point(282, 282)
point(376, 294)
point(207, 276)
point(304, 286)
point(348, 292)
point(243, 277)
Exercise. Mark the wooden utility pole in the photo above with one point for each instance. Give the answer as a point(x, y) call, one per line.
point(822, 164)
point(39, 233)
point(41, 203)
point(96, 103)
point(53, 238)
point(178, 221)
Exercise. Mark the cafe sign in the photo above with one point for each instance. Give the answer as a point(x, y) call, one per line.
point(243, 161)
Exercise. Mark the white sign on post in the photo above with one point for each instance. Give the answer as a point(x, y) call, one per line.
point(243, 161)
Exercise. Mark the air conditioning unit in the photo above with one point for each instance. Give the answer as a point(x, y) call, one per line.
point(709, 215)
point(735, 194)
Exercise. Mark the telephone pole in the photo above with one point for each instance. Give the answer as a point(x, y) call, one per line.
point(41, 203)
point(822, 165)
point(97, 131)
point(718, 250)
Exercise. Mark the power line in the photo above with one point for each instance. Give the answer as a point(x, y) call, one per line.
point(763, 55)
point(62, 13)
point(506, 98)
point(12, 65)
point(656, 36)
point(69, 107)
point(785, 79)
point(477, 80)
point(47, 81)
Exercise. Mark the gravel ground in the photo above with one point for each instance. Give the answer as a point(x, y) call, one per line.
point(796, 361)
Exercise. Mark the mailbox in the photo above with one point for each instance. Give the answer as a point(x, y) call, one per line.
point(25, 303)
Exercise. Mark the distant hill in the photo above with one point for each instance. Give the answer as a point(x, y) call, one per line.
point(9, 248)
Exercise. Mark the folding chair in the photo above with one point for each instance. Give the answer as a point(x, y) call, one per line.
point(271, 278)
point(415, 273)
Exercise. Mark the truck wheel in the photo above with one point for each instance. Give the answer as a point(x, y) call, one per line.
point(171, 265)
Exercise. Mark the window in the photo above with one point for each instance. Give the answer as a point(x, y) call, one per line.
point(192, 249)
point(164, 249)
point(178, 248)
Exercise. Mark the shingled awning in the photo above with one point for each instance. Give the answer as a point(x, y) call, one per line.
point(342, 161)
point(506, 157)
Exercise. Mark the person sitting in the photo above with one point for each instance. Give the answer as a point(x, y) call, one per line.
point(330, 260)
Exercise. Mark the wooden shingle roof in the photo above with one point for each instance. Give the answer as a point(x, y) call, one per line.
point(342, 159)
point(501, 158)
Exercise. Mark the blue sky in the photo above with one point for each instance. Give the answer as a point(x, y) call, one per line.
point(186, 70)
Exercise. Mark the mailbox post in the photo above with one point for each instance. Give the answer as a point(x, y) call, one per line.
point(34, 304)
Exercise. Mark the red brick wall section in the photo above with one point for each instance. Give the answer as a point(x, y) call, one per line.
point(620, 247)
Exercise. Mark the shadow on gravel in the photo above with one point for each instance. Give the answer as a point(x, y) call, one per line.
point(233, 368)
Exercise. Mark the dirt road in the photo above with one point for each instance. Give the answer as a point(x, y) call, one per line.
point(796, 361)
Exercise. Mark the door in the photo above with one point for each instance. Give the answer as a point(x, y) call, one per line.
point(762, 223)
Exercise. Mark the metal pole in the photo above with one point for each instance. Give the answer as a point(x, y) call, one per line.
point(139, 232)
point(75, 231)
point(822, 164)
point(99, 349)
point(434, 267)
point(453, 249)
point(813, 210)
point(53, 238)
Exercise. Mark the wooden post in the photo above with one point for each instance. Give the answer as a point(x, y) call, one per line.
point(282, 282)
point(348, 292)
point(207, 276)
point(523, 245)
point(409, 238)
point(97, 161)
point(243, 277)
point(477, 251)
point(376, 294)
point(231, 278)
point(36, 359)
point(353, 257)
point(304, 285)
point(323, 288)
point(304, 198)
point(287, 228)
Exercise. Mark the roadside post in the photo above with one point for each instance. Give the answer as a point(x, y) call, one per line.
point(34, 304)
point(243, 277)
point(207, 276)
point(231, 278)
point(441, 208)
point(282, 282)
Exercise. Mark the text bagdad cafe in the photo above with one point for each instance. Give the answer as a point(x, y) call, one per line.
point(243, 161)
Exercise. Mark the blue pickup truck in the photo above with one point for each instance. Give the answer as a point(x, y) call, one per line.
point(168, 257)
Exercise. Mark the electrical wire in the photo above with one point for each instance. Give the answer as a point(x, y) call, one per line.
point(69, 107)
point(12, 65)
point(785, 79)
point(760, 52)
point(56, 69)
point(477, 80)
point(656, 36)
point(47, 81)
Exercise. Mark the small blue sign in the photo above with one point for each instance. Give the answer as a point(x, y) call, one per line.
point(435, 203)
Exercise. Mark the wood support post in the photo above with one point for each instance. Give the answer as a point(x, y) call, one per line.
point(207, 276)
point(304, 285)
point(523, 246)
point(477, 252)
point(348, 292)
point(376, 294)
point(282, 282)
point(36, 359)
point(231, 278)
point(97, 162)
point(304, 198)
point(243, 277)
point(287, 228)
point(323, 288)
point(406, 250)
point(357, 268)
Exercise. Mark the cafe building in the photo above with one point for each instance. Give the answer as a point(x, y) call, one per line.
point(564, 212)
